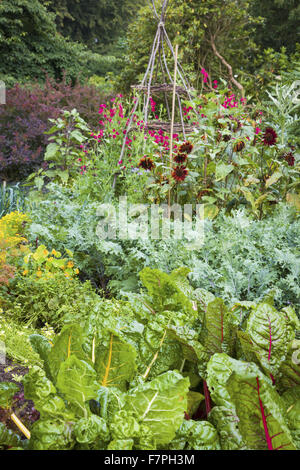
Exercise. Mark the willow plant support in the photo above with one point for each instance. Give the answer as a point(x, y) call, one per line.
point(158, 58)
point(172, 124)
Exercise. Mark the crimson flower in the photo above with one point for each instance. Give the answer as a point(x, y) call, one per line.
point(146, 163)
point(269, 137)
point(289, 158)
point(179, 173)
point(238, 147)
point(186, 147)
point(180, 158)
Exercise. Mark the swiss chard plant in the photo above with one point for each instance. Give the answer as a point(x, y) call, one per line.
point(175, 368)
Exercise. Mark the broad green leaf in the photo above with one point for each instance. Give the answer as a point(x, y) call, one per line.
point(115, 364)
point(291, 319)
point(193, 401)
point(223, 170)
point(249, 394)
point(8, 438)
point(219, 369)
point(203, 297)
point(42, 392)
point(196, 435)
point(7, 392)
point(291, 400)
point(88, 430)
point(290, 368)
point(168, 291)
point(121, 444)
point(125, 426)
point(41, 345)
point(77, 381)
point(262, 418)
point(226, 423)
point(64, 176)
point(210, 211)
point(217, 333)
point(68, 342)
point(51, 151)
point(109, 401)
point(160, 405)
point(273, 178)
point(51, 434)
point(266, 328)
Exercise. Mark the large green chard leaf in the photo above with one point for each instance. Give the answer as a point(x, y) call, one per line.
point(124, 425)
point(39, 389)
point(226, 422)
point(121, 444)
point(291, 319)
point(115, 362)
point(42, 346)
point(262, 421)
point(196, 435)
point(89, 430)
point(217, 334)
point(7, 392)
point(219, 369)
point(68, 342)
point(76, 379)
point(194, 400)
point(8, 438)
point(291, 399)
point(250, 395)
point(51, 435)
point(156, 351)
point(192, 350)
point(290, 368)
point(169, 291)
point(108, 402)
point(160, 405)
point(203, 298)
point(270, 338)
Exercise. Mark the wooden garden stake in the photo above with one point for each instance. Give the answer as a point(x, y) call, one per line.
point(172, 121)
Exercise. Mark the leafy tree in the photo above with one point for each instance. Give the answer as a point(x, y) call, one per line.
point(215, 35)
point(281, 25)
point(97, 23)
point(30, 45)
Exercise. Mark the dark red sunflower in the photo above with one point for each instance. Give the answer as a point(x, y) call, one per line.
point(186, 147)
point(239, 146)
point(146, 163)
point(289, 158)
point(179, 173)
point(270, 136)
point(226, 137)
point(180, 158)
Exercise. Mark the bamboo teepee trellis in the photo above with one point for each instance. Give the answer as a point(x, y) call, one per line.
point(158, 59)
